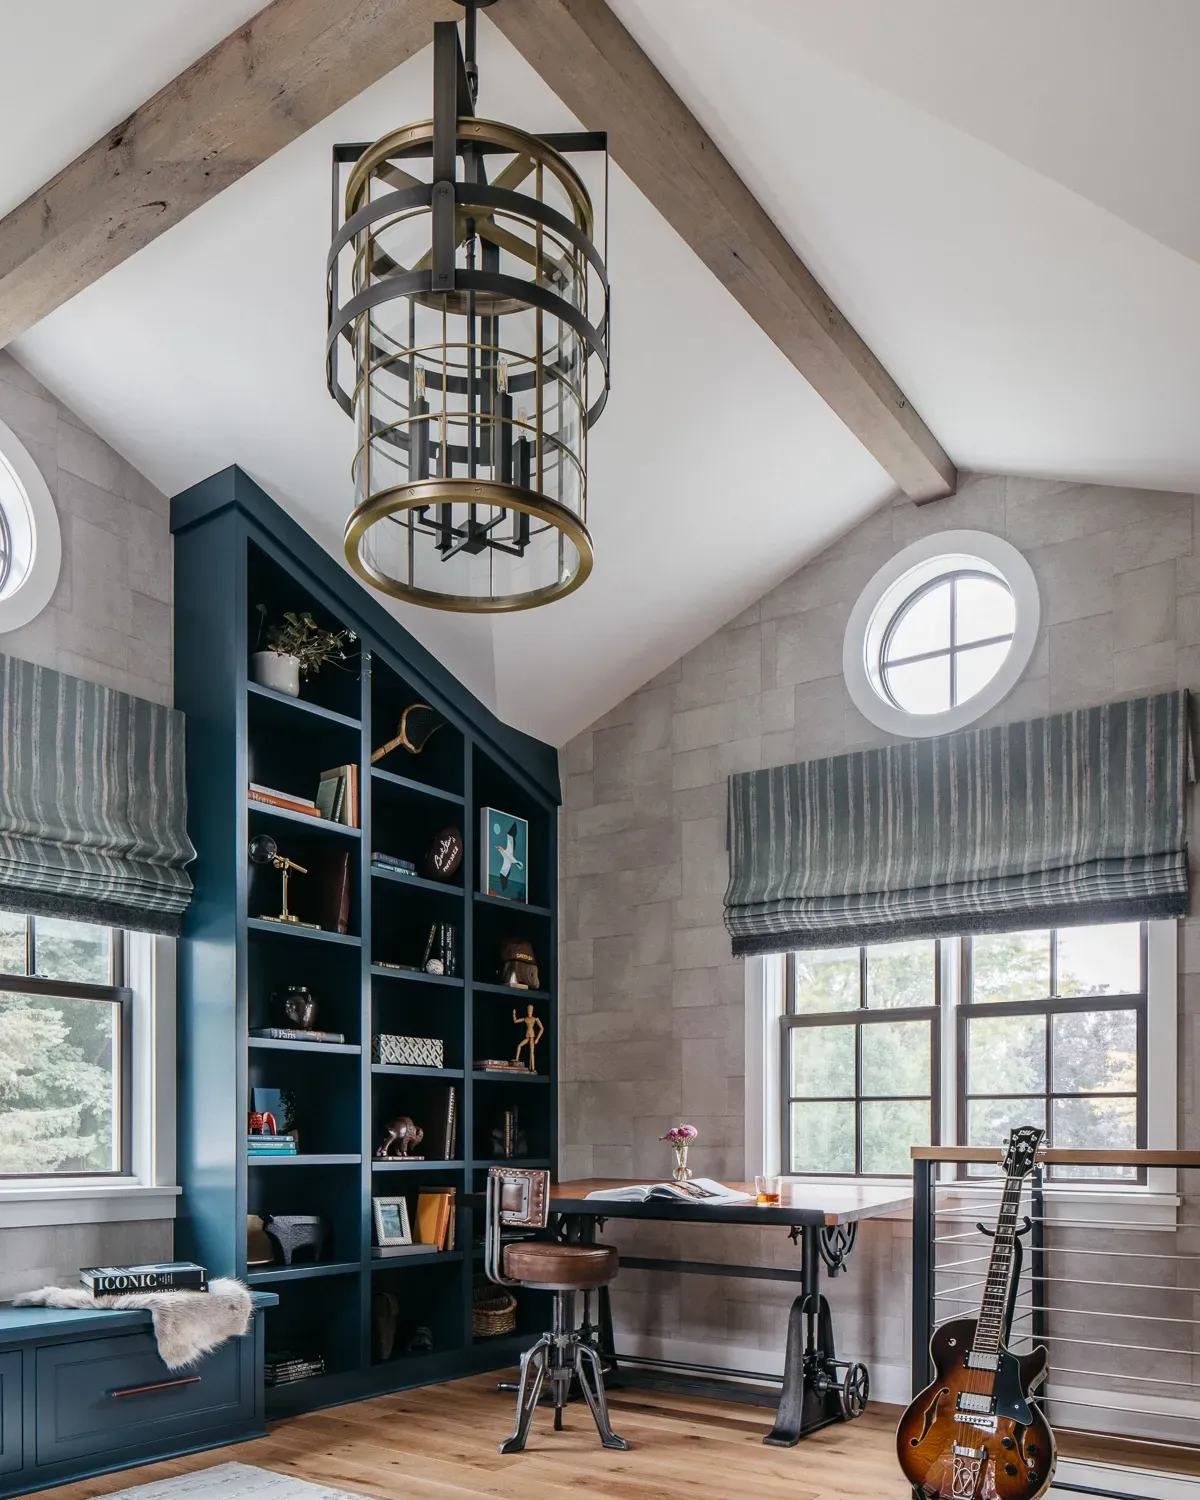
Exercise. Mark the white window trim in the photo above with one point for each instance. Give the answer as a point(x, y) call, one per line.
point(1153, 1204)
point(150, 1192)
point(36, 589)
point(875, 607)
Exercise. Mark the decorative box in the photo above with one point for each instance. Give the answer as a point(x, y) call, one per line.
point(408, 1051)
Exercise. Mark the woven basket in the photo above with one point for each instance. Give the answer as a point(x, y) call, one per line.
point(493, 1311)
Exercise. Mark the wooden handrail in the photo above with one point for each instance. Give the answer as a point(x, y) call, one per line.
point(1062, 1156)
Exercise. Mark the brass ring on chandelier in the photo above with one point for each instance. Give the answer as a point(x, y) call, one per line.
point(429, 492)
point(485, 132)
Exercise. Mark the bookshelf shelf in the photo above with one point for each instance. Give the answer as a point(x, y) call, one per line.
point(496, 1075)
point(299, 707)
point(309, 1272)
point(333, 1159)
point(416, 882)
point(234, 550)
point(424, 1164)
point(518, 908)
point(508, 992)
point(395, 1070)
point(309, 824)
point(310, 934)
point(415, 976)
point(399, 1262)
point(277, 1044)
point(387, 779)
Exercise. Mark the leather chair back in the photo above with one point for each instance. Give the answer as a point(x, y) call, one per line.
point(517, 1198)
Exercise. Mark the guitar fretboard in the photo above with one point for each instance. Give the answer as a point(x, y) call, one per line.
point(989, 1334)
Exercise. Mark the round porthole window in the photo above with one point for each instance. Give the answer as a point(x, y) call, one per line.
point(941, 633)
point(30, 541)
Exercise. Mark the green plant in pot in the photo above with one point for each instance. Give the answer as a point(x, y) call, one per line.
point(296, 647)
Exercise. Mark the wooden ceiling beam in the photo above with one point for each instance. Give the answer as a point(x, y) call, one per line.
point(598, 70)
point(297, 61)
point(285, 70)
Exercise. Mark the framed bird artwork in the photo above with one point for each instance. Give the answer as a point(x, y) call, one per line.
point(504, 854)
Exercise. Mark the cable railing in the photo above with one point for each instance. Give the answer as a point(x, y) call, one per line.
point(1109, 1285)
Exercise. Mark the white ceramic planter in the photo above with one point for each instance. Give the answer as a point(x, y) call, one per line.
point(274, 670)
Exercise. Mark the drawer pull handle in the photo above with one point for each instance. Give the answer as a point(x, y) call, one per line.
point(161, 1385)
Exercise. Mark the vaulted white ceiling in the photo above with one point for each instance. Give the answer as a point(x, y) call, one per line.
point(1000, 197)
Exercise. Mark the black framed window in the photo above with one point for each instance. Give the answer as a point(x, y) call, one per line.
point(860, 1055)
point(1052, 1032)
point(65, 1049)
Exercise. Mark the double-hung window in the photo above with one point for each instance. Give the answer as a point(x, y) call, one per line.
point(860, 1057)
point(66, 1068)
point(901, 1044)
point(1052, 1032)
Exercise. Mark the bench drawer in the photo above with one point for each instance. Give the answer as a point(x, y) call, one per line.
point(100, 1395)
point(10, 1412)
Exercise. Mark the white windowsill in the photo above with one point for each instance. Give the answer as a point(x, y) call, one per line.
point(34, 1204)
point(1081, 1203)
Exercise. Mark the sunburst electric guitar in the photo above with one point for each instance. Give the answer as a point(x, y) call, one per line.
point(972, 1433)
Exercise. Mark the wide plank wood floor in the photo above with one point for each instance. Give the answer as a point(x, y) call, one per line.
point(439, 1443)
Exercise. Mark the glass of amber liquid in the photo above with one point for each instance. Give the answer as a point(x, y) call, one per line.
point(767, 1189)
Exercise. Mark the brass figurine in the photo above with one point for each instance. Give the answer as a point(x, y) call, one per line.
point(534, 1031)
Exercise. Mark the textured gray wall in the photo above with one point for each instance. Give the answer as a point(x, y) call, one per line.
point(653, 1006)
point(110, 622)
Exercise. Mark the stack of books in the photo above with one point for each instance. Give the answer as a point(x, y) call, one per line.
point(436, 1214)
point(394, 863)
point(271, 1145)
point(285, 800)
point(284, 1368)
point(168, 1276)
point(337, 795)
point(499, 1065)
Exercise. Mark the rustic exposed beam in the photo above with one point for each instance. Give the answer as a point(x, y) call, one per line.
point(285, 70)
point(597, 69)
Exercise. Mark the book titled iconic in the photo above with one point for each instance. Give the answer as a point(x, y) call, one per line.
point(170, 1276)
point(503, 854)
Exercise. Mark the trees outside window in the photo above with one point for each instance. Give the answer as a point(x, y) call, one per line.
point(65, 1049)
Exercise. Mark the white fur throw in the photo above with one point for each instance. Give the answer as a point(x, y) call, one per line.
point(187, 1325)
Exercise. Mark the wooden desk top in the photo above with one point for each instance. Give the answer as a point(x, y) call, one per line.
point(811, 1203)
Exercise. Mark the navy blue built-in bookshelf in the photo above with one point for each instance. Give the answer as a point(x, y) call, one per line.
point(234, 549)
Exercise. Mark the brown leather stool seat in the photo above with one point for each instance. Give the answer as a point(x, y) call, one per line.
point(566, 1267)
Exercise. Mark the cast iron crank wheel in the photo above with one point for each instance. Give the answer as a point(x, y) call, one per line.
point(856, 1388)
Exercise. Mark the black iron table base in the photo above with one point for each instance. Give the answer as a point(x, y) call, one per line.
point(818, 1388)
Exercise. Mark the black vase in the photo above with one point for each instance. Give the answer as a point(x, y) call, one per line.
point(295, 1007)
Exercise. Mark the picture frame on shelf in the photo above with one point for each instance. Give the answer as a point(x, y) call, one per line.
point(392, 1226)
point(503, 855)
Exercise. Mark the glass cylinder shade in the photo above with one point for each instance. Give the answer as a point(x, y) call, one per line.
point(477, 317)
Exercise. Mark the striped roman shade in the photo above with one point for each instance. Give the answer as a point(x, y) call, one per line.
point(1078, 817)
point(93, 808)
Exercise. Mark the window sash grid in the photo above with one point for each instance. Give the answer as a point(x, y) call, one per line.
point(858, 1016)
point(944, 1049)
point(1048, 1007)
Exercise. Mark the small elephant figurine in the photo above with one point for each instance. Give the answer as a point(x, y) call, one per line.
point(403, 1133)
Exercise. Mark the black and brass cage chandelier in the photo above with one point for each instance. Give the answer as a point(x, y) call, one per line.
point(477, 317)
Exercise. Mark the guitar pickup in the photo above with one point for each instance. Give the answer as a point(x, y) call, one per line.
point(978, 1360)
point(976, 1404)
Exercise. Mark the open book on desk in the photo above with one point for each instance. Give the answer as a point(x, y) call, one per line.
point(698, 1190)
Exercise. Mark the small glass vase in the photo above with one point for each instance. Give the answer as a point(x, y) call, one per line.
point(682, 1172)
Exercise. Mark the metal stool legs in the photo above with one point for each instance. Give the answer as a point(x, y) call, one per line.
point(533, 1372)
point(560, 1357)
point(593, 1394)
